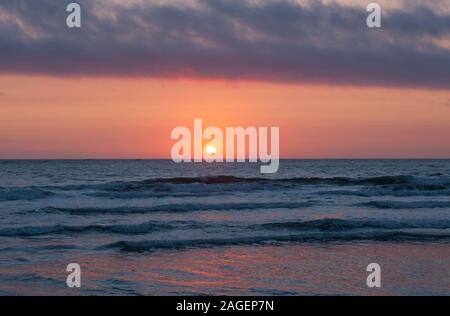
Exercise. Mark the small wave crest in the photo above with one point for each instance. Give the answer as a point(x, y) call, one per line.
point(156, 245)
point(432, 183)
point(16, 194)
point(188, 207)
point(336, 224)
point(406, 205)
point(131, 229)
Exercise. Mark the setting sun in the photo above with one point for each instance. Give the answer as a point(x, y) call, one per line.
point(211, 149)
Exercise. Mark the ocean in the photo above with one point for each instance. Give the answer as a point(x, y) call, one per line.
point(153, 227)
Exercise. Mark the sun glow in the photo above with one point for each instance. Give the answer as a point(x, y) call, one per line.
point(211, 150)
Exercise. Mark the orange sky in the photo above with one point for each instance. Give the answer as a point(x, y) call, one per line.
point(50, 117)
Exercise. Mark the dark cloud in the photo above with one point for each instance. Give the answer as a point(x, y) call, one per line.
point(257, 40)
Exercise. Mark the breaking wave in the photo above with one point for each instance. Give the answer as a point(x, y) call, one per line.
point(435, 183)
point(203, 186)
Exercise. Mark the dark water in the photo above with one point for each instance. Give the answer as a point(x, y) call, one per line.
point(156, 227)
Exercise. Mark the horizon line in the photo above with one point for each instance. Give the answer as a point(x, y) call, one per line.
point(169, 159)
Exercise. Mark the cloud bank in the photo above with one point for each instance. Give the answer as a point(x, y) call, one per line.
point(267, 40)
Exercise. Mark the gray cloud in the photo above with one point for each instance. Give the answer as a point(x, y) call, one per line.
point(231, 39)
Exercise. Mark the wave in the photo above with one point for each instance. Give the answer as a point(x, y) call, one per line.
point(336, 224)
point(430, 183)
point(187, 207)
point(126, 186)
point(397, 191)
point(155, 245)
point(406, 205)
point(132, 229)
point(433, 183)
point(399, 185)
point(186, 191)
point(204, 186)
point(16, 194)
point(324, 225)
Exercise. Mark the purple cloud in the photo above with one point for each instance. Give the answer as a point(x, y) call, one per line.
point(231, 39)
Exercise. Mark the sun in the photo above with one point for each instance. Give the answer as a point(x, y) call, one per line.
point(211, 149)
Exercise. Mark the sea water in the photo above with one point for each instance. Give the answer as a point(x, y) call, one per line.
point(154, 227)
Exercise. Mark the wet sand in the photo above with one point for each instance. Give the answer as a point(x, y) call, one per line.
point(301, 269)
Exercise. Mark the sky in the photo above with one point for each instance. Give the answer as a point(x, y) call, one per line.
point(136, 69)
